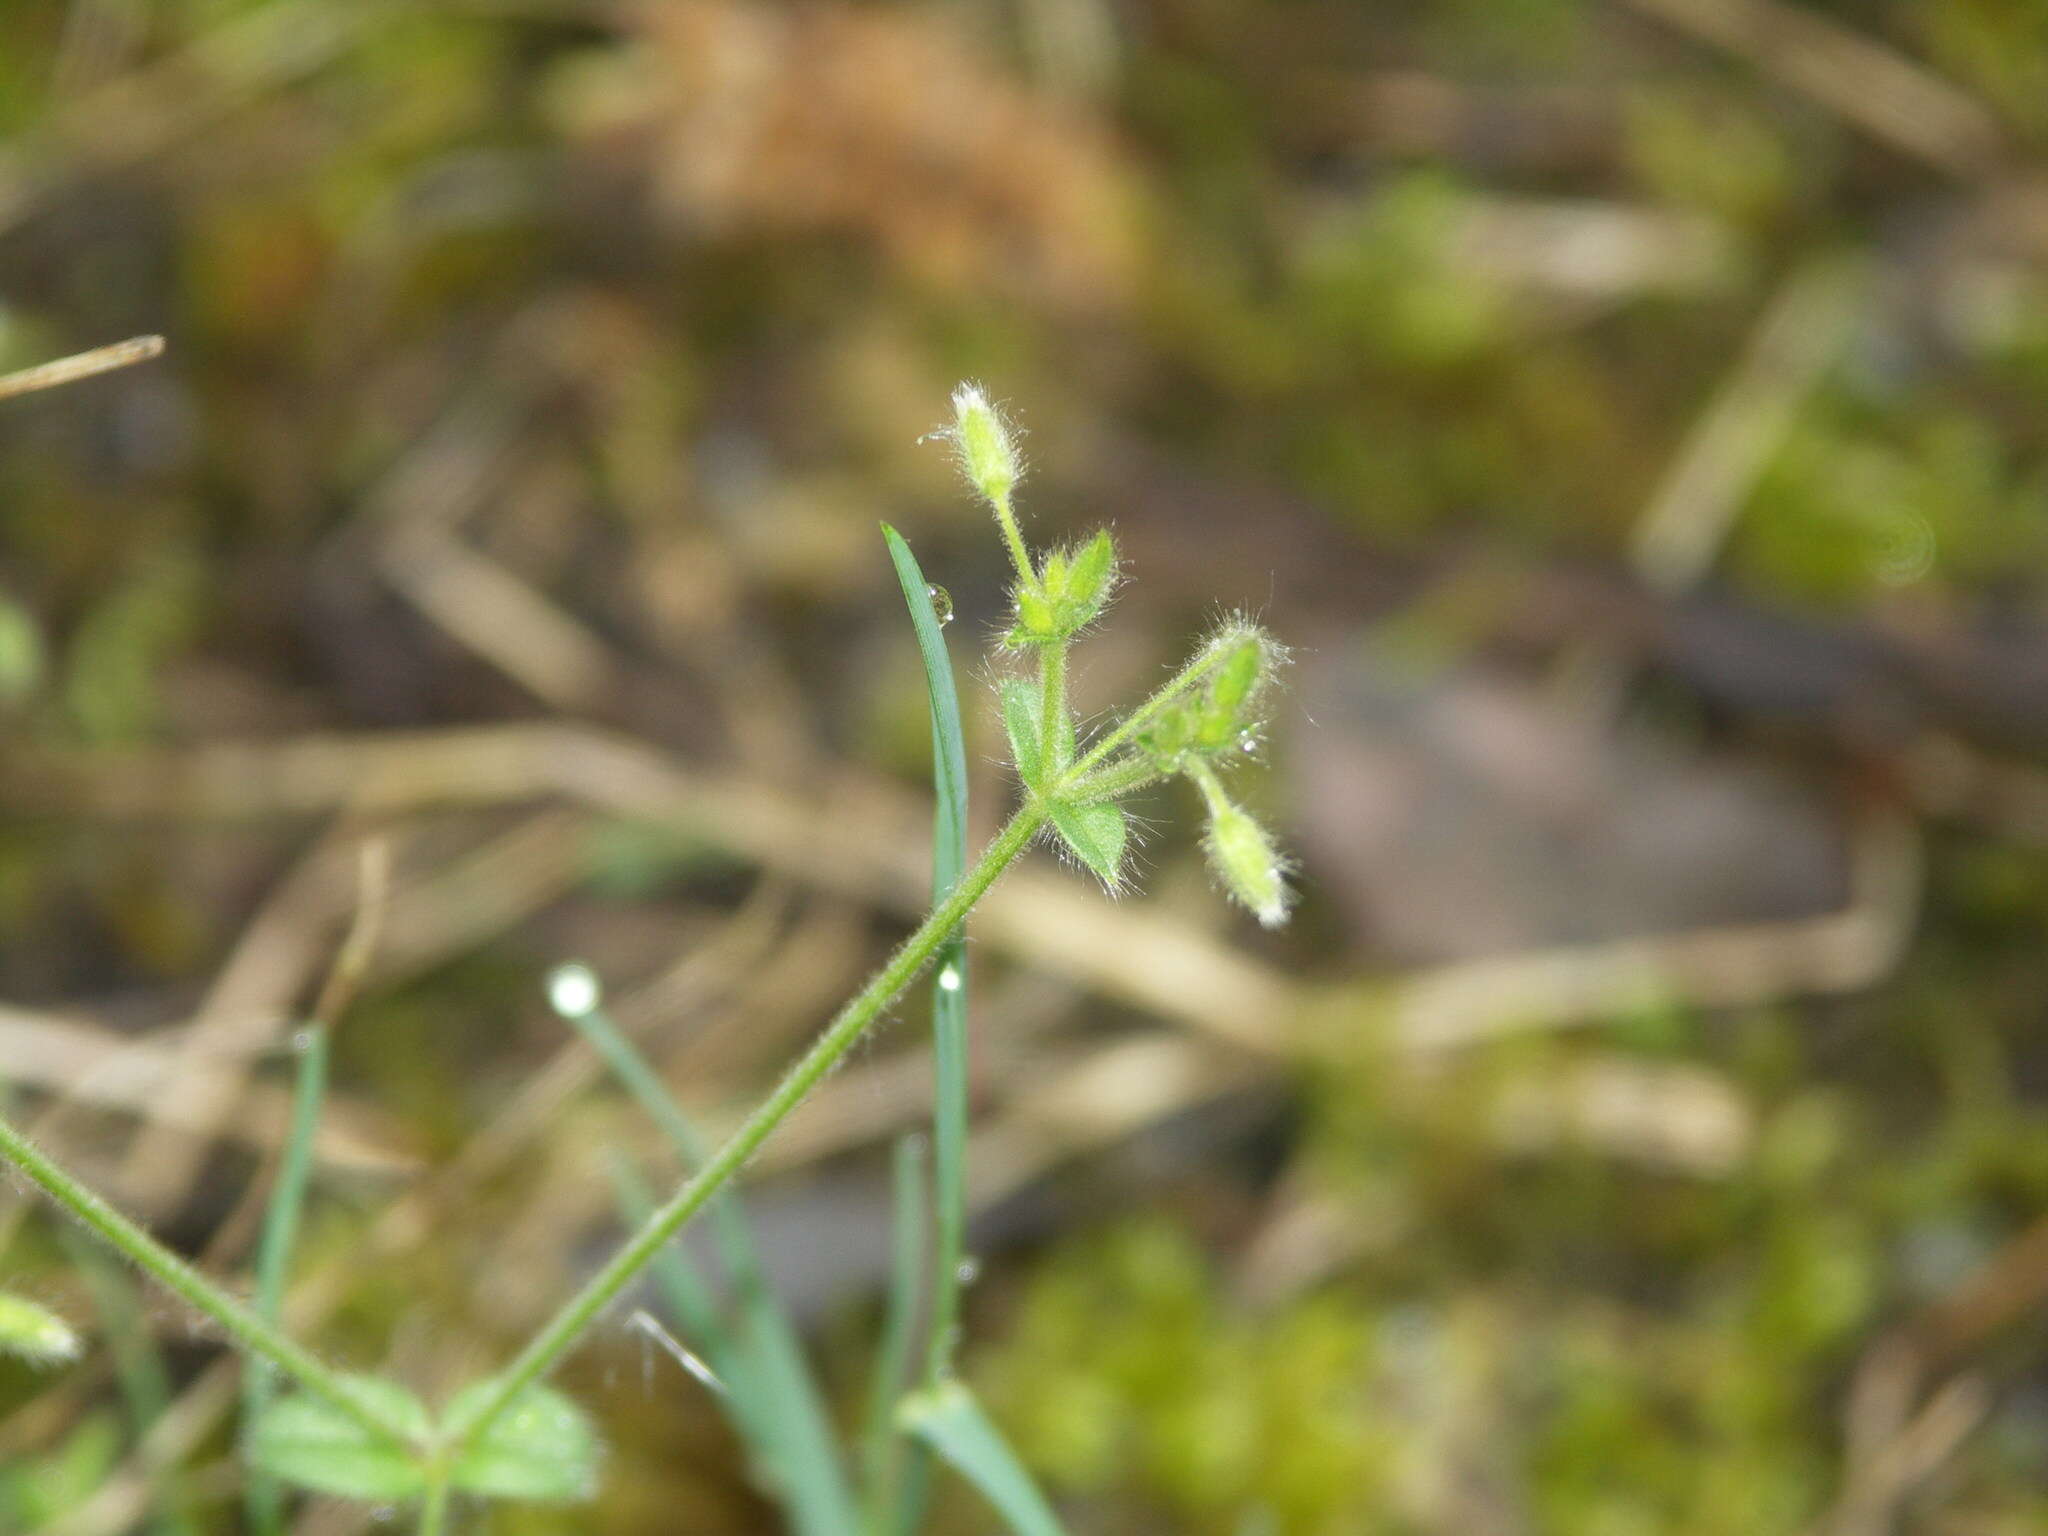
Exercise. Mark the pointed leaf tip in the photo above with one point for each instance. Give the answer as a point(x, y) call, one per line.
point(1096, 834)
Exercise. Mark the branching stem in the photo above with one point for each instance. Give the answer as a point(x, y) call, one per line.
point(1200, 666)
point(568, 1325)
point(249, 1331)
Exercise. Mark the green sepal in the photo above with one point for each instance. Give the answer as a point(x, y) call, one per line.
point(1168, 738)
point(1226, 709)
point(1090, 575)
point(1096, 834)
point(1052, 575)
point(1037, 620)
point(1024, 720)
point(1073, 588)
point(542, 1446)
point(312, 1443)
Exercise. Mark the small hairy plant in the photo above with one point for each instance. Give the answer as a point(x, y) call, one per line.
point(509, 1436)
point(1205, 717)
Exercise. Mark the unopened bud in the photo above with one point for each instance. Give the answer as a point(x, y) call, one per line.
point(988, 455)
point(1090, 574)
point(1242, 854)
point(1072, 589)
point(34, 1333)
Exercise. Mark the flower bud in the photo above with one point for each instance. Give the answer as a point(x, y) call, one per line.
point(1242, 853)
point(34, 1333)
point(1072, 589)
point(988, 455)
point(1090, 574)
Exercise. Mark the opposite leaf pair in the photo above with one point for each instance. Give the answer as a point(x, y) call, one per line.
point(541, 1447)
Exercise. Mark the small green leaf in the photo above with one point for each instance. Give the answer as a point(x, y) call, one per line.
point(1024, 719)
point(541, 1447)
point(308, 1441)
point(950, 1421)
point(1096, 834)
point(34, 1493)
point(34, 1333)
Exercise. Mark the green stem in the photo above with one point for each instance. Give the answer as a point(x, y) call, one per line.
point(1006, 518)
point(262, 1496)
point(434, 1512)
point(1200, 666)
point(949, 1164)
point(249, 1332)
point(1119, 778)
point(882, 1454)
point(1205, 780)
point(1059, 730)
point(852, 1021)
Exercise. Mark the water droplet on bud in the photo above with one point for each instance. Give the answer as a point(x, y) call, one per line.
point(942, 605)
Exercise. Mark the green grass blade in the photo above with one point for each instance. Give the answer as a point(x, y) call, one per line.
point(138, 1364)
point(949, 1012)
point(765, 1349)
point(681, 1286)
point(949, 991)
point(950, 1421)
point(748, 1397)
point(264, 1499)
point(881, 1441)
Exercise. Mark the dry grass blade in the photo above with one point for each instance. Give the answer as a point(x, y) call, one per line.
point(1799, 336)
point(80, 365)
point(1890, 97)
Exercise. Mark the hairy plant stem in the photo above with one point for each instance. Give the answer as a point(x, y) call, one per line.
point(562, 1331)
point(1052, 682)
point(1119, 778)
point(1211, 787)
point(1204, 661)
point(1006, 518)
point(249, 1331)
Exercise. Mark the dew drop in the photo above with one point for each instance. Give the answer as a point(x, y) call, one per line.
point(302, 1041)
point(1248, 742)
point(574, 990)
point(942, 604)
point(968, 1271)
point(949, 979)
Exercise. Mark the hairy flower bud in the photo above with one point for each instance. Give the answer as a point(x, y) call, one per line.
point(34, 1333)
point(1242, 853)
point(987, 450)
point(1072, 589)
